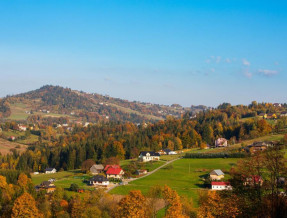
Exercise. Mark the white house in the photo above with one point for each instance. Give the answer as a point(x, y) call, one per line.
point(221, 186)
point(22, 128)
point(221, 142)
point(146, 156)
point(99, 180)
point(50, 170)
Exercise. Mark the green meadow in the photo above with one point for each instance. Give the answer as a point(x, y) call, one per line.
point(184, 176)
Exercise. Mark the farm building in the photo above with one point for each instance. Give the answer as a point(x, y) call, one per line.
point(141, 172)
point(221, 186)
point(216, 175)
point(146, 156)
point(96, 169)
point(50, 170)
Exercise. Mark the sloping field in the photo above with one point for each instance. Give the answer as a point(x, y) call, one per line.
point(184, 175)
point(5, 146)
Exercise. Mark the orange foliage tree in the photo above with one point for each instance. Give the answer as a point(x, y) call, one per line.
point(132, 206)
point(25, 206)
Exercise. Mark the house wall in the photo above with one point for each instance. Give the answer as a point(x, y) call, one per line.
point(114, 176)
point(215, 177)
point(221, 187)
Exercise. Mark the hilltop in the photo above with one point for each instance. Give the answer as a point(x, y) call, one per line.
point(56, 101)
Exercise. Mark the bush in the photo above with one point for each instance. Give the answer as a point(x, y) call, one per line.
point(216, 155)
point(74, 187)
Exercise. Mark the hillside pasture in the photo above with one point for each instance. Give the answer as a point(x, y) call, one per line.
point(6, 146)
point(18, 111)
point(184, 175)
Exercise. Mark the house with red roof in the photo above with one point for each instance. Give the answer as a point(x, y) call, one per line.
point(221, 186)
point(116, 173)
point(113, 166)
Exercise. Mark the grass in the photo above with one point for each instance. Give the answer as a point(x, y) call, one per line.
point(18, 111)
point(184, 177)
point(64, 179)
point(273, 137)
point(6, 145)
point(29, 139)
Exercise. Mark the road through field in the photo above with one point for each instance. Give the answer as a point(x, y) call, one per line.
point(148, 174)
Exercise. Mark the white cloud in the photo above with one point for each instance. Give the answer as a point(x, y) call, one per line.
point(218, 59)
point(227, 60)
point(245, 62)
point(247, 73)
point(266, 72)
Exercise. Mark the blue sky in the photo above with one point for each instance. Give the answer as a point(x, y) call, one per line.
point(160, 51)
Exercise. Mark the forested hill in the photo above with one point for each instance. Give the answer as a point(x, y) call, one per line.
point(77, 105)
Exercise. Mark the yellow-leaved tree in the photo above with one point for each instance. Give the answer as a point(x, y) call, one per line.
point(25, 206)
point(133, 205)
point(173, 203)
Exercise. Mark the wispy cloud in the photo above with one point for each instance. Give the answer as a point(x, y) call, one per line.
point(218, 59)
point(227, 60)
point(245, 62)
point(247, 73)
point(267, 72)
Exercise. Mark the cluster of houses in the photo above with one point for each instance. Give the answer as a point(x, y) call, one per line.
point(216, 184)
point(259, 146)
point(103, 174)
point(217, 175)
point(272, 115)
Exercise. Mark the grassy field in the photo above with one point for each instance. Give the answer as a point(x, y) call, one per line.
point(6, 145)
point(64, 179)
point(18, 111)
point(28, 140)
point(273, 137)
point(185, 177)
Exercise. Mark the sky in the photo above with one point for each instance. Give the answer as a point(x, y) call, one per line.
point(162, 51)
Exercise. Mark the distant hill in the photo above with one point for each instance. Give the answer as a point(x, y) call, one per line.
point(56, 101)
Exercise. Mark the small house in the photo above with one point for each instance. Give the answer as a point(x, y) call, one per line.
point(277, 105)
point(146, 156)
point(12, 138)
point(22, 128)
point(221, 142)
point(216, 175)
point(49, 187)
point(141, 172)
point(99, 180)
point(271, 116)
point(50, 170)
point(263, 115)
point(96, 169)
point(221, 186)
